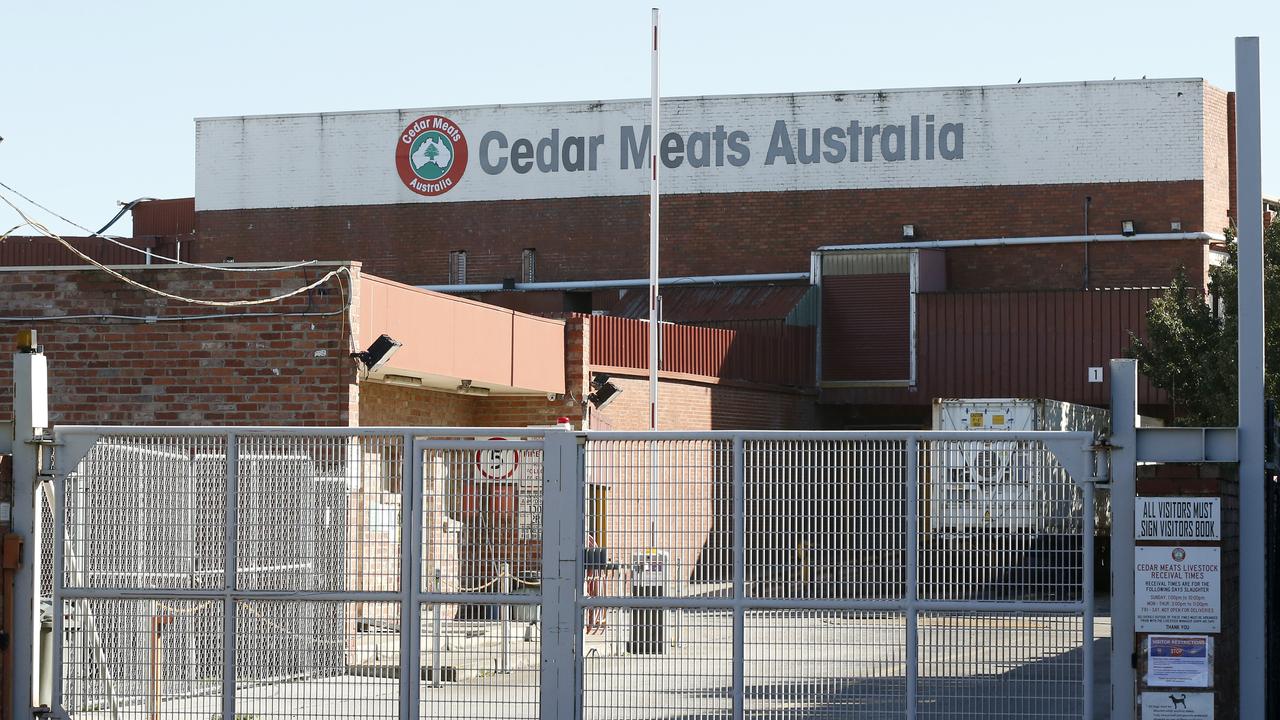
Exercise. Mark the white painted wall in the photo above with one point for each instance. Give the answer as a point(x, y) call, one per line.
point(1137, 130)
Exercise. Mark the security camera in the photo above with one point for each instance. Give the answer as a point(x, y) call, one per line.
point(551, 397)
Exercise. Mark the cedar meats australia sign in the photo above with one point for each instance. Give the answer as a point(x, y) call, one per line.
point(912, 138)
point(431, 155)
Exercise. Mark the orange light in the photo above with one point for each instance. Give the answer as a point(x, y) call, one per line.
point(27, 341)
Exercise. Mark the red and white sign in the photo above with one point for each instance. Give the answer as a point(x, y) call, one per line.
point(497, 463)
point(431, 155)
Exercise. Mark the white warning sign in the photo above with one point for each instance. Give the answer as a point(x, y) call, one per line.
point(523, 468)
point(1178, 518)
point(1178, 589)
point(1177, 706)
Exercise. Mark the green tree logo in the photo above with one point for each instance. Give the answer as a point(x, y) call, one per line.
point(431, 155)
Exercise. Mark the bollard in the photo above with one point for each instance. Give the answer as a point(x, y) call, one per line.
point(435, 633)
point(680, 591)
point(504, 612)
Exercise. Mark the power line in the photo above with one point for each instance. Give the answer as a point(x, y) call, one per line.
point(115, 239)
point(38, 227)
point(149, 319)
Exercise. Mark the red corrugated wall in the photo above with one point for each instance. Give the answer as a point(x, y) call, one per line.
point(774, 354)
point(38, 251)
point(165, 217)
point(1018, 344)
point(866, 327)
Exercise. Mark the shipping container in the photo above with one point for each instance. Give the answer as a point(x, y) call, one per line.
point(1012, 486)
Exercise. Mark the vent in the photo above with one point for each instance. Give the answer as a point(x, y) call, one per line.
point(528, 264)
point(863, 262)
point(458, 267)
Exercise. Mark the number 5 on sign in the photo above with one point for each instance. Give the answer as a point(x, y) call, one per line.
point(497, 463)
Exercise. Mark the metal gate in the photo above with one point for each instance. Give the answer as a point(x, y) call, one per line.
point(478, 573)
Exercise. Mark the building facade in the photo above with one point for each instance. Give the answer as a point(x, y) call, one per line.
point(1095, 192)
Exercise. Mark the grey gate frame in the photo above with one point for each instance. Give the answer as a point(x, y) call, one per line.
point(1079, 453)
point(414, 595)
point(564, 681)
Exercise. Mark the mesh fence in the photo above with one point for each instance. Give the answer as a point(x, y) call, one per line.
point(791, 577)
point(837, 539)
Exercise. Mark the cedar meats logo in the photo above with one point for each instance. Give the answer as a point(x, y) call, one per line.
point(431, 155)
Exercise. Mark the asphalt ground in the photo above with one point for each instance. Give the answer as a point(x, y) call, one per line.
point(797, 665)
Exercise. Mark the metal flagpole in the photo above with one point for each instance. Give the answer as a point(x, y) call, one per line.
point(655, 327)
point(654, 139)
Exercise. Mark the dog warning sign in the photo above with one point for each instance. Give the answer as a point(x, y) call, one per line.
point(1177, 706)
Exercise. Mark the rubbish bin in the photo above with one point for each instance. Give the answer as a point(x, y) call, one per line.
point(649, 570)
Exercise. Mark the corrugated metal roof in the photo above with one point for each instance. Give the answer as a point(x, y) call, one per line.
point(712, 303)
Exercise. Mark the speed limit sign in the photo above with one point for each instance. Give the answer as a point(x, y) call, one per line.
point(497, 463)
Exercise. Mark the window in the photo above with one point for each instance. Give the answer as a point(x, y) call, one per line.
point(458, 267)
point(528, 264)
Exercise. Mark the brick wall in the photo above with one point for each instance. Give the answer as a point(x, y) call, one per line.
point(1219, 149)
point(1231, 155)
point(288, 368)
point(606, 237)
point(1062, 267)
point(688, 405)
point(382, 404)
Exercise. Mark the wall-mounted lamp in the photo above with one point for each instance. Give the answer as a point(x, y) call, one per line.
point(603, 391)
point(466, 388)
point(1175, 225)
point(908, 232)
point(1126, 228)
point(378, 353)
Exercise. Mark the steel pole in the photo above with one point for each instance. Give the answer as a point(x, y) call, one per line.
point(30, 416)
point(654, 139)
point(1124, 470)
point(1253, 670)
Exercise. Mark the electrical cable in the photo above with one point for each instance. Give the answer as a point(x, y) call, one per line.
point(149, 319)
point(156, 291)
point(124, 208)
point(115, 239)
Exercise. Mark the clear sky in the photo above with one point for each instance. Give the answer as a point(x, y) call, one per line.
point(99, 97)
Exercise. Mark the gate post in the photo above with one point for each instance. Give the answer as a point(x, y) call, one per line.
point(1124, 464)
point(1251, 386)
point(562, 549)
point(30, 418)
point(412, 477)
